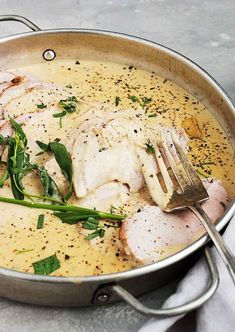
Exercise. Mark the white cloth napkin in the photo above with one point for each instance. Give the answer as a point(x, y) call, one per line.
point(218, 314)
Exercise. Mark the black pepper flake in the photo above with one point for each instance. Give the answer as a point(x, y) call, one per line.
point(66, 257)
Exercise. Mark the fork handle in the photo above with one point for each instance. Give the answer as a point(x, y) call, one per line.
point(225, 253)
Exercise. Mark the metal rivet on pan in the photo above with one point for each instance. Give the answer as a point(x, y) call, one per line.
point(102, 298)
point(49, 55)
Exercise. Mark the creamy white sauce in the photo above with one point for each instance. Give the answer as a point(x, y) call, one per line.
point(102, 82)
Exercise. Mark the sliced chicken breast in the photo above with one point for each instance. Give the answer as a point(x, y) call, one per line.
point(11, 81)
point(104, 152)
point(106, 196)
point(110, 145)
point(25, 97)
point(152, 234)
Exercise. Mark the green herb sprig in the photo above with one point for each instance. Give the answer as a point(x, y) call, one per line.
point(18, 165)
point(18, 162)
point(72, 211)
point(68, 106)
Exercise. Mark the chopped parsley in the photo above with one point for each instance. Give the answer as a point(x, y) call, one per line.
point(41, 106)
point(93, 224)
point(144, 101)
point(68, 106)
point(202, 173)
point(149, 147)
point(18, 252)
point(134, 99)
point(60, 114)
point(100, 232)
point(117, 100)
point(40, 223)
point(47, 265)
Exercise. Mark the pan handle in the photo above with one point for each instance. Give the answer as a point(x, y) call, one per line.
point(168, 312)
point(21, 19)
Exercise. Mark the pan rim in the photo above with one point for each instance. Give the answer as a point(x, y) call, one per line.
point(192, 248)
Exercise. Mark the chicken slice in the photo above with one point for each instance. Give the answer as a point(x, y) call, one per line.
point(104, 152)
point(10, 80)
point(152, 234)
point(158, 162)
point(95, 163)
point(110, 194)
point(21, 99)
point(56, 174)
point(6, 77)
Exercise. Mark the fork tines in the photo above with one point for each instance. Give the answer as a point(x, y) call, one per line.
point(191, 189)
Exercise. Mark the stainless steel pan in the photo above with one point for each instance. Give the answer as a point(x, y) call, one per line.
point(44, 45)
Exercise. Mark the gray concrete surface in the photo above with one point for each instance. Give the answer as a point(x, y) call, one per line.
point(202, 30)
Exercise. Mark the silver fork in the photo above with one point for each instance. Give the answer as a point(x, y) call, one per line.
point(186, 190)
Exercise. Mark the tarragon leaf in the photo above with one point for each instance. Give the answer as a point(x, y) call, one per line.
point(41, 106)
point(69, 105)
point(64, 161)
point(47, 265)
point(45, 147)
point(91, 223)
point(74, 217)
point(59, 115)
point(49, 185)
point(19, 131)
point(40, 222)
point(98, 233)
